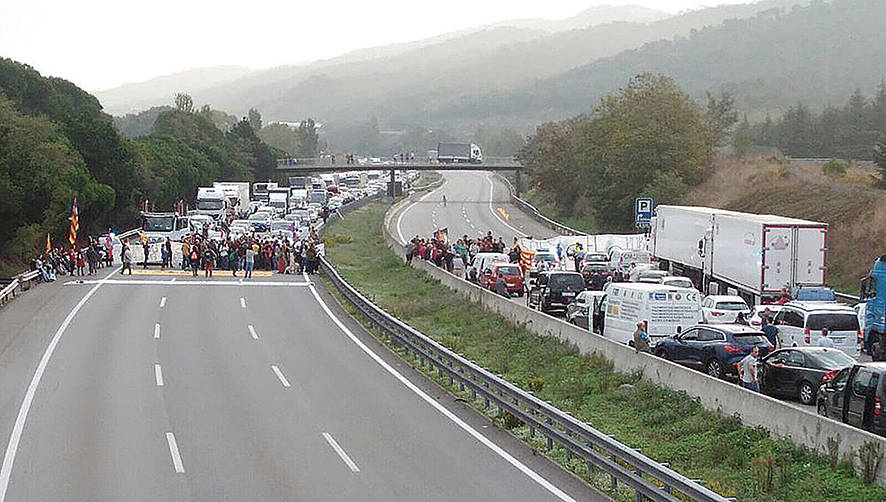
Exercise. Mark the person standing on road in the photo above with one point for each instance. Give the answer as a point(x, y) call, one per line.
point(250, 262)
point(824, 340)
point(769, 330)
point(444, 200)
point(578, 254)
point(410, 249)
point(747, 370)
point(146, 246)
point(126, 257)
point(641, 338)
point(501, 287)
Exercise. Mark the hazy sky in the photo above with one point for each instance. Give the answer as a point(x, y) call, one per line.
point(99, 44)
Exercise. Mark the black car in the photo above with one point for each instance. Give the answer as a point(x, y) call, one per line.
point(715, 349)
point(555, 290)
point(856, 396)
point(595, 275)
point(798, 372)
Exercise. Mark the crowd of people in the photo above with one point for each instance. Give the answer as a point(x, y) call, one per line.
point(454, 257)
point(244, 253)
point(80, 261)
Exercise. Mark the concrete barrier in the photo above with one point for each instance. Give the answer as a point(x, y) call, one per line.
point(780, 418)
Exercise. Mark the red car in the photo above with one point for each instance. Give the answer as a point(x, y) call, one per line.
point(512, 275)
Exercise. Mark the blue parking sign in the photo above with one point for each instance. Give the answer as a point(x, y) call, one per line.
point(643, 211)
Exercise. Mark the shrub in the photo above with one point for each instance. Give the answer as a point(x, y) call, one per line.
point(870, 454)
point(834, 168)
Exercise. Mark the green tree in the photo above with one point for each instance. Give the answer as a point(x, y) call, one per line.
point(254, 119)
point(308, 139)
point(721, 116)
point(280, 136)
point(184, 102)
point(880, 160)
point(742, 139)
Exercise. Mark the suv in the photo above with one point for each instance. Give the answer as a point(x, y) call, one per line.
point(799, 324)
point(512, 275)
point(555, 290)
point(715, 349)
point(856, 396)
point(723, 308)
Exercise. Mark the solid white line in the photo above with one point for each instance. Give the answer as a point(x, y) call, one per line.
point(423, 197)
point(252, 332)
point(242, 302)
point(150, 282)
point(157, 331)
point(158, 375)
point(439, 407)
point(279, 374)
point(173, 450)
point(341, 452)
point(162, 302)
point(16, 435)
point(495, 213)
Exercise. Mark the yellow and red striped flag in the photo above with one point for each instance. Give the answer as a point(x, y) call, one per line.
point(75, 223)
point(48, 243)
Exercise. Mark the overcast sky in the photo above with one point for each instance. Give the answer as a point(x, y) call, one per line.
point(99, 44)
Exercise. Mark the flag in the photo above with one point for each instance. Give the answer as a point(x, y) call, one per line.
point(441, 235)
point(526, 259)
point(75, 223)
point(48, 243)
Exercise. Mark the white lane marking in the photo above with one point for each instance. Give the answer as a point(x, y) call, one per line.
point(423, 197)
point(162, 302)
point(341, 452)
point(158, 375)
point(16, 435)
point(173, 279)
point(252, 332)
point(173, 450)
point(242, 302)
point(442, 409)
point(495, 213)
point(280, 376)
point(157, 331)
point(149, 282)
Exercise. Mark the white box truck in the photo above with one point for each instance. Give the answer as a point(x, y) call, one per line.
point(237, 193)
point(211, 201)
point(757, 255)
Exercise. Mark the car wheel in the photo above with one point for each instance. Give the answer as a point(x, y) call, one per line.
point(822, 409)
point(714, 368)
point(806, 393)
point(662, 353)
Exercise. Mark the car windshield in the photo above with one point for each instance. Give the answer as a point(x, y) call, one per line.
point(595, 268)
point(680, 283)
point(753, 338)
point(596, 257)
point(833, 359)
point(731, 306)
point(280, 225)
point(158, 223)
point(570, 281)
point(546, 257)
point(509, 270)
point(210, 204)
point(259, 217)
point(833, 321)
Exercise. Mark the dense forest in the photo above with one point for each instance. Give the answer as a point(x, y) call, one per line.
point(56, 143)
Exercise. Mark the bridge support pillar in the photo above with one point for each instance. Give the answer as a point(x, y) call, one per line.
point(517, 182)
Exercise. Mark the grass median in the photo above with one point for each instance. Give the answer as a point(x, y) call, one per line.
point(668, 426)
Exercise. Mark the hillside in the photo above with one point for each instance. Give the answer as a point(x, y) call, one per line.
point(479, 78)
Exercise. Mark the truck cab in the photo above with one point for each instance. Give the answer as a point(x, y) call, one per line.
point(873, 294)
point(212, 202)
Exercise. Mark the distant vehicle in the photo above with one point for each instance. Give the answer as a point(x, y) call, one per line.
point(652, 276)
point(278, 198)
point(620, 260)
point(483, 263)
point(211, 201)
point(159, 226)
point(756, 319)
point(512, 275)
point(674, 280)
point(714, 349)
point(723, 309)
point(595, 275)
point(318, 195)
point(260, 190)
point(799, 324)
point(237, 193)
point(594, 257)
point(298, 182)
point(459, 153)
point(740, 250)
point(581, 311)
point(666, 310)
point(856, 396)
point(550, 259)
point(873, 295)
point(798, 372)
point(555, 290)
point(814, 294)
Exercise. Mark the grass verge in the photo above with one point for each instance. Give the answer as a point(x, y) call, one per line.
point(669, 426)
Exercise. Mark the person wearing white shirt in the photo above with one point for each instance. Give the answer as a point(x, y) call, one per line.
point(824, 340)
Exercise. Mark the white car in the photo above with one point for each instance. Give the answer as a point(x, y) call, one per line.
point(723, 309)
point(799, 324)
point(755, 318)
point(677, 281)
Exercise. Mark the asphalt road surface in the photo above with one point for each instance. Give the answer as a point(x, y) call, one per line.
point(162, 387)
point(476, 202)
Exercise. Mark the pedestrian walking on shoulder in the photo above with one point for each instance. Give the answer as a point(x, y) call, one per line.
point(747, 371)
point(126, 256)
point(641, 338)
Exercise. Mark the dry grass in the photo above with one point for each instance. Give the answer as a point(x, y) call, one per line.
point(851, 205)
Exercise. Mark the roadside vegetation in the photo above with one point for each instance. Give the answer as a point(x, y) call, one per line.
point(669, 426)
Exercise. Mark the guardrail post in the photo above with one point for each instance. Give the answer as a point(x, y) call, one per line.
point(591, 467)
point(666, 488)
point(550, 440)
point(486, 398)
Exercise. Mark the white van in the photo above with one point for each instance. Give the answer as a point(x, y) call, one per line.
point(484, 261)
point(665, 308)
point(620, 260)
point(799, 325)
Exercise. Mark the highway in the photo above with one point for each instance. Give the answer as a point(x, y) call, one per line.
point(163, 387)
point(476, 202)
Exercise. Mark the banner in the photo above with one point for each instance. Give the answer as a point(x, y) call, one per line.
point(75, 223)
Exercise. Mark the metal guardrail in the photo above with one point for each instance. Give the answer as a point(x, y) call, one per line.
point(536, 214)
point(8, 292)
point(849, 298)
point(624, 465)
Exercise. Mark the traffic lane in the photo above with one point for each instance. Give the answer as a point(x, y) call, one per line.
point(242, 434)
point(405, 449)
point(502, 217)
point(95, 430)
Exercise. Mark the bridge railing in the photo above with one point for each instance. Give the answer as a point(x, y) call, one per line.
point(341, 162)
point(625, 466)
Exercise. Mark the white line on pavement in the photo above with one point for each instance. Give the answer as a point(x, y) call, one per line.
point(442, 409)
point(341, 452)
point(173, 450)
point(157, 331)
point(252, 332)
point(495, 213)
point(242, 302)
point(423, 197)
point(280, 376)
point(162, 302)
point(158, 375)
point(150, 282)
point(16, 435)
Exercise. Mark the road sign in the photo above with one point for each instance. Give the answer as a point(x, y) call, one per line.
point(643, 211)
